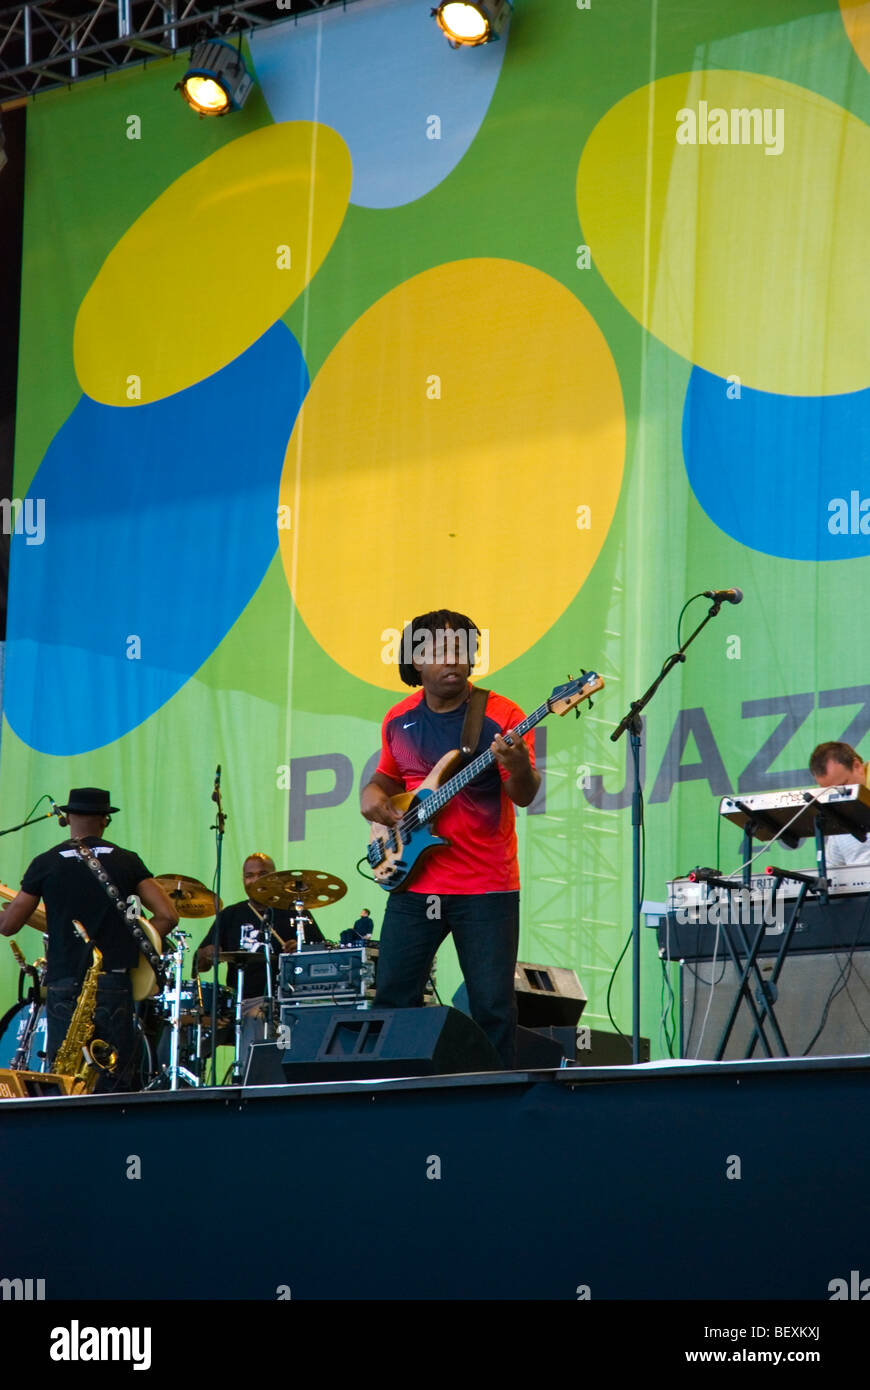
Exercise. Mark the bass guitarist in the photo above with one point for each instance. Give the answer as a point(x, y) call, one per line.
point(69, 890)
point(469, 887)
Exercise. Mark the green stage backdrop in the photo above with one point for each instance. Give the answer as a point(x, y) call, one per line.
point(557, 332)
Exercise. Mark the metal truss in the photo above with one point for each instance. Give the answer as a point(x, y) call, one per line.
point(577, 858)
point(66, 41)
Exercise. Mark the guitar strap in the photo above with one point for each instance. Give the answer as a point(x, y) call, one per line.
point(473, 722)
point(87, 856)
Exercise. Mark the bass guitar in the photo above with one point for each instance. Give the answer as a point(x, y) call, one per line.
point(395, 852)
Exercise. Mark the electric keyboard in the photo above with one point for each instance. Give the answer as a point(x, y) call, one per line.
point(846, 811)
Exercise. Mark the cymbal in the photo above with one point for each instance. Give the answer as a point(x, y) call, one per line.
point(37, 920)
point(288, 886)
point(190, 897)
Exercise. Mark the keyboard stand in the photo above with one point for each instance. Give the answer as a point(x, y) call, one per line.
point(766, 995)
point(809, 884)
point(767, 992)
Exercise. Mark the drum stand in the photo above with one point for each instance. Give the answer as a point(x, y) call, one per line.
point(237, 1052)
point(171, 1076)
point(268, 1002)
point(21, 1060)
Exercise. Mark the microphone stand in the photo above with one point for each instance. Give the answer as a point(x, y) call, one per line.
point(35, 821)
point(218, 827)
point(632, 722)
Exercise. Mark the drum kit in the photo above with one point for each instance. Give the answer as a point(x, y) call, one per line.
point(177, 1024)
point(174, 1027)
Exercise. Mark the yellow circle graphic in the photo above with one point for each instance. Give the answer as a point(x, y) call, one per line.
point(462, 447)
point(855, 15)
point(728, 213)
point(212, 263)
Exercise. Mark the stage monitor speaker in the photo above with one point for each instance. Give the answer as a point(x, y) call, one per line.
point(537, 1048)
point(596, 1047)
point(33, 1083)
point(805, 988)
point(581, 1046)
point(546, 995)
point(358, 1044)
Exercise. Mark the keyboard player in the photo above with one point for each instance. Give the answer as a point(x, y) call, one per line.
point(838, 765)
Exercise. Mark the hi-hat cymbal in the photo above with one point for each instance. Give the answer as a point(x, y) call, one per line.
point(289, 886)
point(191, 898)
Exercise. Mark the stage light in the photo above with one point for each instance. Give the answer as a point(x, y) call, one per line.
point(217, 80)
point(468, 24)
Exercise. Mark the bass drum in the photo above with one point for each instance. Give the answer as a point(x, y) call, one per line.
point(10, 1039)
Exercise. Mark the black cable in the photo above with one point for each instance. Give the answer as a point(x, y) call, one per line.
point(610, 984)
point(667, 1008)
point(861, 1019)
point(680, 618)
point(637, 908)
point(843, 976)
point(45, 797)
point(708, 984)
point(8, 1017)
point(371, 878)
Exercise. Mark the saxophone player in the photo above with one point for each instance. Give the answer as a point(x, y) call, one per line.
point(69, 890)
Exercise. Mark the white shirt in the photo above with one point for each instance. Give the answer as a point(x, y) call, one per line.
point(841, 850)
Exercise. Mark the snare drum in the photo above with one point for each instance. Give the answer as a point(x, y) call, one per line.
point(226, 1007)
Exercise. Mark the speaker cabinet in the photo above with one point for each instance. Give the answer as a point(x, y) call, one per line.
point(547, 995)
point(356, 1044)
point(808, 984)
point(538, 1048)
point(581, 1046)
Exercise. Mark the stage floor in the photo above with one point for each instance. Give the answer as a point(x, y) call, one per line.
point(743, 1180)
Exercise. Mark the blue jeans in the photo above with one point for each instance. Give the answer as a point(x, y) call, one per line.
point(113, 1022)
point(486, 929)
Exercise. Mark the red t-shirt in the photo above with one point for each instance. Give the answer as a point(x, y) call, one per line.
point(479, 820)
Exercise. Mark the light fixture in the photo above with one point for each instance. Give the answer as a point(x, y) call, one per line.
point(468, 24)
point(217, 80)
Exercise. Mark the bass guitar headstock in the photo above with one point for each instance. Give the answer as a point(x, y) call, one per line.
point(569, 695)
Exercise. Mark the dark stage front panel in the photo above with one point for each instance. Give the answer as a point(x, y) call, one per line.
point(739, 1181)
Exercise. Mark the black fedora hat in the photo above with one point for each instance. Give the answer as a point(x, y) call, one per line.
point(89, 801)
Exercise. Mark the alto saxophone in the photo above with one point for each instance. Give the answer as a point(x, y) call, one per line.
point(82, 1056)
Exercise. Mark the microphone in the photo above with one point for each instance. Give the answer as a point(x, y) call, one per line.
point(217, 783)
point(56, 811)
point(724, 595)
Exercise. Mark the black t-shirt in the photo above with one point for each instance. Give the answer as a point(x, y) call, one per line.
point(70, 889)
point(242, 928)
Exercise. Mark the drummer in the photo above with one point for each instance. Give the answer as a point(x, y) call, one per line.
point(244, 927)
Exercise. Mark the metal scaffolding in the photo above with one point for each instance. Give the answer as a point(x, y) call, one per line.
point(57, 44)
